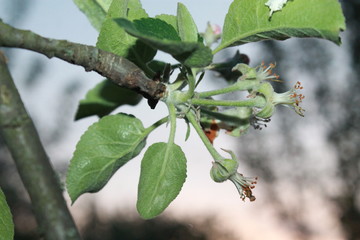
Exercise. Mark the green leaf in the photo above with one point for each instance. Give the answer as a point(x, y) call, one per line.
point(105, 147)
point(113, 38)
point(6, 222)
point(248, 21)
point(156, 33)
point(104, 98)
point(163, 172)
point(95, 10)
point(163, 36)
point(157, 66)
point(187, 28)
point(202, 57)
point(169, 19)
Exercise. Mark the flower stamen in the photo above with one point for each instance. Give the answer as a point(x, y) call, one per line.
point(244, 185)
point(291, 98)
point(264, 72)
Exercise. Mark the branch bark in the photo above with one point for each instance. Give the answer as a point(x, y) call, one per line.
point(37, 174)
point(118, 69)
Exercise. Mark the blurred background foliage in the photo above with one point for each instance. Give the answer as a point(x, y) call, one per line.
point(306, 165)
point(287, 160)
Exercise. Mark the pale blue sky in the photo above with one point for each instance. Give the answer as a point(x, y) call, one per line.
point(62, 20)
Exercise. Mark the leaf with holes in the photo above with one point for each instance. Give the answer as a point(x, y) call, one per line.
point(275, 5)
point(248, 21)
point(163, 172)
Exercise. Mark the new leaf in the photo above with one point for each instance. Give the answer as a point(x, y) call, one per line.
point(163, 36)
point(249, 21)
point(105, 147)
point(187, 28)
point(95, 10)
point(113, 38)
point(163, 172)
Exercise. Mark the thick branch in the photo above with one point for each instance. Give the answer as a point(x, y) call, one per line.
point(118, 69)
point(19, 133)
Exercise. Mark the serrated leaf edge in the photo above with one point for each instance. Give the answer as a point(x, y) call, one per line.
point(140, 140)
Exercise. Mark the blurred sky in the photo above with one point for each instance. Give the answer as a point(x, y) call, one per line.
point(200, 195)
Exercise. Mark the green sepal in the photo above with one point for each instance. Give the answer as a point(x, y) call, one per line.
point(223, 169)
point(267, 91)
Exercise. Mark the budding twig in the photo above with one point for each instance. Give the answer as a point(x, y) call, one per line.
point(116, 68)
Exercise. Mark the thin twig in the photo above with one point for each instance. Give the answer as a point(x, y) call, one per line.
point(118, 69)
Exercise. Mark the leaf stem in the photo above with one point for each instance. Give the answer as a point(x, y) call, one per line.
point(228, 89)
point(258, 101)
point(241, 85)
point(221, 116)
point(192, 119)
point(172, 118)
point(191, 81)
point(155, 125)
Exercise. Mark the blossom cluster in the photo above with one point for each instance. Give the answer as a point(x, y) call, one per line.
point(256, 110)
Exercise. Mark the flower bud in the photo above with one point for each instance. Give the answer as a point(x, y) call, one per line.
point(290, 98)
point(212, 34)
point(223, 170)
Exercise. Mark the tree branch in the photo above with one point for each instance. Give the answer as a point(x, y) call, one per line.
point(19, 133)
point(118, 69)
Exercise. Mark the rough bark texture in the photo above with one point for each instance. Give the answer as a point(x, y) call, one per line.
point(118, 69)
point(37, 174)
